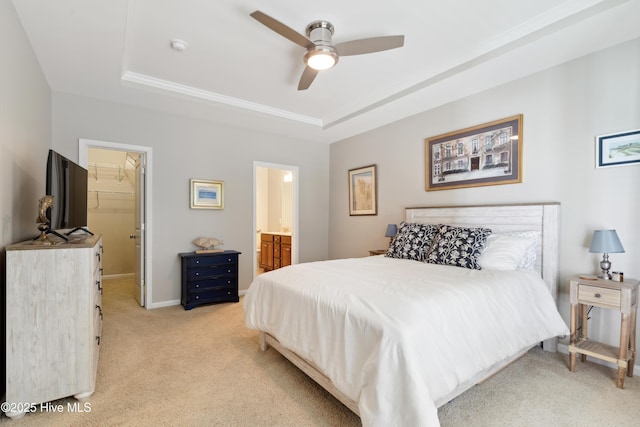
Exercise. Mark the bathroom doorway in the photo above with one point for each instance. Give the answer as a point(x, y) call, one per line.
point(275, 207)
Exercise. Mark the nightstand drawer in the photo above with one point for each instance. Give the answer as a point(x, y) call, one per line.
point(601, 297)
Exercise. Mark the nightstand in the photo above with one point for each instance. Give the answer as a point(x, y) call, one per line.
point(620, 296)
point(377, 252)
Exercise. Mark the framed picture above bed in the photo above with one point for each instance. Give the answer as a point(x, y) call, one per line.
point(486, 154)
point(618, 149)
point(363, 198)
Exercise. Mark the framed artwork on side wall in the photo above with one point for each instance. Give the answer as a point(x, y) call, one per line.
point(363, 198)
point(618, 149)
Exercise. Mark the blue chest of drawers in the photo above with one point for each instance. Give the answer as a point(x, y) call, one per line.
point(209, 278)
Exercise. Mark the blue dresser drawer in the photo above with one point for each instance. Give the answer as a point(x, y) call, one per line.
point(204, 284)
point(223, 294)
point(211, 259)
point(212, 271)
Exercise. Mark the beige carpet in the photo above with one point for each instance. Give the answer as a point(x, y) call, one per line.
point(203, 367)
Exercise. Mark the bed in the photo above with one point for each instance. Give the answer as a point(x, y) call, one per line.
point(395, 338)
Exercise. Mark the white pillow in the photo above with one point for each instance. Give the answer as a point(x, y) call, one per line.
point(529, 259)
point(508, 251)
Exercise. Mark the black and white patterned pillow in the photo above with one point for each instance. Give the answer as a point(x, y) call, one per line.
point(412, 241)
point(458, 246)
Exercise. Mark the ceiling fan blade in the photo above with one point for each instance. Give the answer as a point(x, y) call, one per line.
point(307, 78)
point(282, 29)
point(370, 45)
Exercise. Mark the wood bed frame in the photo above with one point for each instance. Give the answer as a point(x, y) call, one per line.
point(541, 217)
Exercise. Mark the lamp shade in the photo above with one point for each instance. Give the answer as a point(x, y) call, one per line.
point(392, 230)
point(606, 241)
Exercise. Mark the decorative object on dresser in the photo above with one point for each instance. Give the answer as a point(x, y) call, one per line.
point(44, 224)
point(206, 194)
point(620, 296)
point(487, 154)
point(208, 245)
point(605, 242)
point(363, 199)
point(209, 278)
point(53, 321)
point(275, 250)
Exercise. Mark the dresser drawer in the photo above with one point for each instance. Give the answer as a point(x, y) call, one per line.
point(598, 296)
point(224, 293)
point(211, 271)
point(199, 261)
point(202, 285)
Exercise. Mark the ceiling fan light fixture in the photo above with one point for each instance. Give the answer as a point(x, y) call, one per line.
point(321, 58)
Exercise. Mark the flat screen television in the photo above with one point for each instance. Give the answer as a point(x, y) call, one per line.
point(67, 183)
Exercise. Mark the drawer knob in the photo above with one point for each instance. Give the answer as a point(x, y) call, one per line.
point(197, 285)
point(197, 274)
point(197, 297)
point(597, 295)
point(197, 261)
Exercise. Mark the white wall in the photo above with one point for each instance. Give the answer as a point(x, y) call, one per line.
point(25, 137)
point(186, 148)
point(564, 109)
point(25, 131)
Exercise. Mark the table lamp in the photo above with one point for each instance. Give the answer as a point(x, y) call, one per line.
point(392, 230)
point(605, 242)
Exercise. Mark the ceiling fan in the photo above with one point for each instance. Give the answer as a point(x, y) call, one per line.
point(321, 53)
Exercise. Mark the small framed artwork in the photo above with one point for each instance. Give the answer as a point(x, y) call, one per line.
point(362, 191)
point(618, 149)
point(486, 154)
point(207, 194)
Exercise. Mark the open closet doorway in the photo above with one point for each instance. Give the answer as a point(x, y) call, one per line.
point(275, 216)
point(118, 194)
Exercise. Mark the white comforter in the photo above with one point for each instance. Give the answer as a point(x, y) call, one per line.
point(396, 336)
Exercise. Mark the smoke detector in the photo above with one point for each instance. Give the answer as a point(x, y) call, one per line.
point(179, 45)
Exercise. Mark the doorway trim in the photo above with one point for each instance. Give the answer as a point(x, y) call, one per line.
point(295, 228)
point(83, 160)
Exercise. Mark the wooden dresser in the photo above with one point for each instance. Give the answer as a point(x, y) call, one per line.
point(54, 321)
point(275, 251)
point(209, 277)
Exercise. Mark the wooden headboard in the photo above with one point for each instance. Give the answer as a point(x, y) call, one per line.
point(540, 217)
